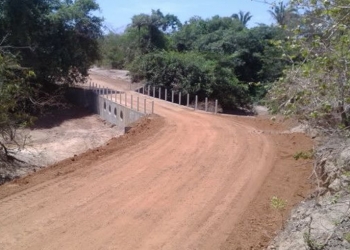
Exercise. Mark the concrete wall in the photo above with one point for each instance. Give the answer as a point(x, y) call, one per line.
point(110, 111)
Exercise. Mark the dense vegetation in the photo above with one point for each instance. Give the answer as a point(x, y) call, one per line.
point(218, 57)
point(44, 44)
point(316, 88)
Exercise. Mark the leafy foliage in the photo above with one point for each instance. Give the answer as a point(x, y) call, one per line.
point(56, 39)
point(43, 43)
point(316, 88)
point(217, 57)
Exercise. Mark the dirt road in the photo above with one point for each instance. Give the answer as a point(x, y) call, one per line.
point(184, 180)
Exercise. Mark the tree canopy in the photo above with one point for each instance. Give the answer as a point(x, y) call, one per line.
point(43, 44)
point(217, 57)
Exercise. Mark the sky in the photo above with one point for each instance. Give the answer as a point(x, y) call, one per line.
point(118, 14)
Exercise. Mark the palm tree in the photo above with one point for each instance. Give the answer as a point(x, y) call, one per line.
point(244, 18)
point(282, 13)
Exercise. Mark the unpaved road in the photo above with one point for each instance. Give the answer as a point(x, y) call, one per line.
point(184, 180)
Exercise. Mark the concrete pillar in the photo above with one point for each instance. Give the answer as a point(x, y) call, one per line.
point(172, 96)
point(188, 100)
point(206, 104)
point(179, 98)
point(154, 92)
point(196, 103)
point(132, 101)
point(138, 103)
point(160, 93)
point(145, 105)
point(216, 107)
point(126, 98)
point(166, 95)
point(152, 107)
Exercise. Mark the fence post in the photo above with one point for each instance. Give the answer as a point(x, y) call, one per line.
point(196, 103)
point(120, 98)
point(145, 105)
point(166, 94)
point(160, 93)
point(143, 89)
point(179, 98)
point(188, 100)
point(206, 104)
point(132, 101)
point(216, 106)
point(126, 104)
point(152, 107)
point(172, 96)
point(148, 90)
point(138, 103)
point(154, 92)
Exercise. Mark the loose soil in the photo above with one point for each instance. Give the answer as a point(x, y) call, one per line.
point(177, 180)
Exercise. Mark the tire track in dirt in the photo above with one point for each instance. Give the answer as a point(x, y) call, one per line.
point(184, 181)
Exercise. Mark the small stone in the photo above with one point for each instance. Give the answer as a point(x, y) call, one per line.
point(335, 186)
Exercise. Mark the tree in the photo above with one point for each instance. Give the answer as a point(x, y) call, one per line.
point(282, 13)
point(244, 18)
point(42, 43)
point(40, 30)
point(317, 88)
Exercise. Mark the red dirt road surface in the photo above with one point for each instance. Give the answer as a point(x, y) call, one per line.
point(180, 180)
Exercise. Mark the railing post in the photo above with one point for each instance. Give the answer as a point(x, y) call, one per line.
point(188, 100)
point(149, 90)
point(166, 94)
point(172, 96)
point(179, 98)
point(206, 104)
point(145, 105)
point(120, 98)
point(154, 92)
point(216, 107)
point(196, 103)
point(115, 97)
point(132, 101)
point(160, 93)
point(138, 103)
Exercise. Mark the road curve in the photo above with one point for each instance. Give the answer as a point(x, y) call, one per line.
point(184, 187)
